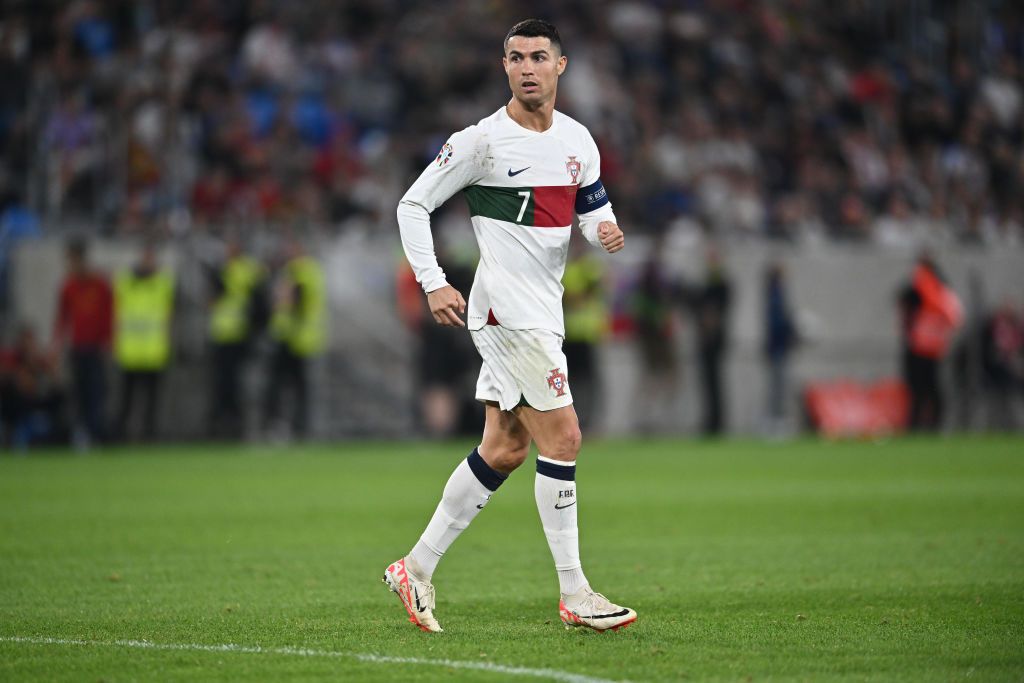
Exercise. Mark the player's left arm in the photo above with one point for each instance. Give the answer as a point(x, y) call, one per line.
point(610, 235)
point(597, 220)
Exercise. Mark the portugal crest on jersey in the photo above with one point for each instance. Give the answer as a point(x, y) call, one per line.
point(445, 155)
point(573, 167)
point(557, 381)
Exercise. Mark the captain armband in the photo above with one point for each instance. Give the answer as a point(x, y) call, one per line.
point(591, 197)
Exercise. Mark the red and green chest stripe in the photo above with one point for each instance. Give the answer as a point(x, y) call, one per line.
point(540, 207)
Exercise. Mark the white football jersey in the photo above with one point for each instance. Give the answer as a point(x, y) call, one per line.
point(523, 188)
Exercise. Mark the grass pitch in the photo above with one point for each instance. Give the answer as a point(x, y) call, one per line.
point(746, 561)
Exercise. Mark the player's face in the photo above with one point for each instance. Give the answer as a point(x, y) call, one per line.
point(533, 67)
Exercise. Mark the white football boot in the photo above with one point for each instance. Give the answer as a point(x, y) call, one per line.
point(417, 596)
point(593, 610)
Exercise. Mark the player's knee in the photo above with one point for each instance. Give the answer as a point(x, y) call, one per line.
point(567, 444)
point(507, 457)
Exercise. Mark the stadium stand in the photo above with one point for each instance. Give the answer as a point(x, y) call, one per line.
point(846, 120)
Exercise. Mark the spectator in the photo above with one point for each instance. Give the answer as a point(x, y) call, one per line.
point(444, 358)
point(586, 322)
point(83, 328)
point(72, 137)
point(898, 227)
point(710, 302)
point(780, 337)
point(212, 196)
point(931, 315)
point(652, 308)
point(298, 327)
point(238, 313)
point(32, 397)
point(1002, 351)
point(143, 308)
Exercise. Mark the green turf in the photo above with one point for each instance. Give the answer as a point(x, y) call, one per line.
point(746, 561)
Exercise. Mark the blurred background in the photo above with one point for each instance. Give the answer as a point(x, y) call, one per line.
point(824, 204)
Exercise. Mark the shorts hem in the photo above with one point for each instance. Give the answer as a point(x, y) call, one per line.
point(524, 402)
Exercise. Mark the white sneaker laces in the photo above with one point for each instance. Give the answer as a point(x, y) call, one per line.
point(594, 603)
point(423, 594)
point(422, 591)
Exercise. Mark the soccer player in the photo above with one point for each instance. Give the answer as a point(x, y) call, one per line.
point(524, 170)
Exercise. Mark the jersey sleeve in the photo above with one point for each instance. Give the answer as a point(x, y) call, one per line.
point(462, 161)
point(592, 203)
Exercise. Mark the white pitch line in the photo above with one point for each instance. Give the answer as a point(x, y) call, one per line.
point(552, 674)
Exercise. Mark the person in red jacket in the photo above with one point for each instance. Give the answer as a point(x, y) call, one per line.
point(83, 329)
point(932, 314)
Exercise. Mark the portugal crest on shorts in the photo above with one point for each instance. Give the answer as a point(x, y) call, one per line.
point(573, 167)
point(557, 381)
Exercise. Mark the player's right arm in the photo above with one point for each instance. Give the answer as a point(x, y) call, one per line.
point(461, 162)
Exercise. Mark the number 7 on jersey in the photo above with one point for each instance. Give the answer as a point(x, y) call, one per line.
point(525, 194)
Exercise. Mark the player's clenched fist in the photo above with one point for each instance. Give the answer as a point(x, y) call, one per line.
point(611, 236)
point(447, 304)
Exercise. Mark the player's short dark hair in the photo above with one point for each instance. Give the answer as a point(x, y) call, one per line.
point(535, 28)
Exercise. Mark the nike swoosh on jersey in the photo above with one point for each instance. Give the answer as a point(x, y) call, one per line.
point(512, 173)
point(562, 507)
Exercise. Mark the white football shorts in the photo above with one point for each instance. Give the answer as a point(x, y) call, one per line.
point(521, 366)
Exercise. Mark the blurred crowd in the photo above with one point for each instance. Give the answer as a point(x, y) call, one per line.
point(804, 120)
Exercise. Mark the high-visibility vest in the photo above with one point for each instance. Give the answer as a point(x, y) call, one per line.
point(142, 314)
point(229, 319)
point(586, 314)
point(930, 334)
point(302, 327)
point(937, 320)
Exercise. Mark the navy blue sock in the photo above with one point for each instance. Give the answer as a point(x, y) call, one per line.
point(564, 472)
point(488, 476)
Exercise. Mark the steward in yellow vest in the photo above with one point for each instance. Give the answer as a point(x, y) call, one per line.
point(143, 309)
point(299, 306)
point(586, 323)
point(298, 328)
point(231, 316)
point(237, 316)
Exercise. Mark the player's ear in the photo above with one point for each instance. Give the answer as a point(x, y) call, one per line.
point(562, 61)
